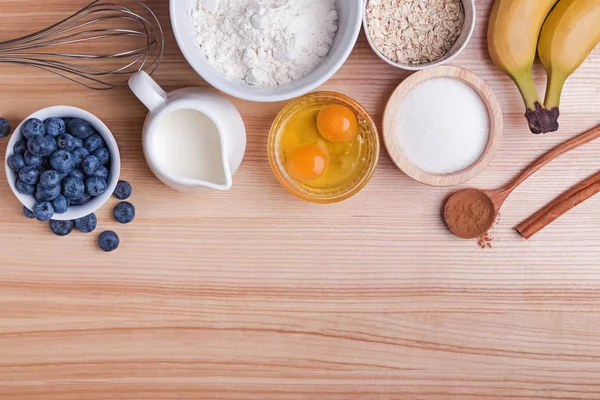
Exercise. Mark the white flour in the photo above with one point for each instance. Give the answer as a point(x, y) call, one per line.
point(265, 42)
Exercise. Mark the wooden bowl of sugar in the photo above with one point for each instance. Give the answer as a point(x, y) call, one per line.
point(442, 126)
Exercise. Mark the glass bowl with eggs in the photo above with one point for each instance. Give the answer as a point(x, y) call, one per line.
point(323, 147)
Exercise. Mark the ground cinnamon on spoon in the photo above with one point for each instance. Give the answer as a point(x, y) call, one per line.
point(469, 214)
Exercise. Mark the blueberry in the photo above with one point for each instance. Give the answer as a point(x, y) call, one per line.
point(67, 120)
point(102, 154)
point(20, 147)
point(43, 194)
point(33, 127)
point(108, 241)
point(90, 164)
point(83, 200)
point(24, 188)
point(55, 126)
point(60, 204)
point(124, 212)
point(4, 128)
point(123, 190)
point(16, 162)
point(95, 186)
point(32, 160)
point(94, 142)
point(86, 224)
point(61, 228)
point(80, 128)
point(43, 211)
point(73, 188)
point(79, 154)
point(37, 145)
point(101, 172)
point(51, 145)
point(50, 178)
point(65, 141)
point(28, 213)
point(62, 161)
point(29, 175)
point(77, 173)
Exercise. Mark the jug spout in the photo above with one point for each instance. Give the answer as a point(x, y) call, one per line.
point(223, 179)
point(210, 168)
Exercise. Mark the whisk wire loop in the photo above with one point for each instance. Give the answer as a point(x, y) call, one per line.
point(67, 47)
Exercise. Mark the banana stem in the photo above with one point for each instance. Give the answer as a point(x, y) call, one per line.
point(556, 82)
point(524, 81)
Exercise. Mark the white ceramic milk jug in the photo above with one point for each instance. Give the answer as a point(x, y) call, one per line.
point(193, 138)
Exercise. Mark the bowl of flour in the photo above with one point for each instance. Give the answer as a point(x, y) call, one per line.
point(266, 50)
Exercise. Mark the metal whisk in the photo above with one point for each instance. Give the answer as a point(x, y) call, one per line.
point(99, 47)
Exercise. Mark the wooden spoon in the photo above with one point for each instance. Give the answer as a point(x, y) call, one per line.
point(469, 221)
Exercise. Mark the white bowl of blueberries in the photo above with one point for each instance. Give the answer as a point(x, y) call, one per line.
point(63, 164)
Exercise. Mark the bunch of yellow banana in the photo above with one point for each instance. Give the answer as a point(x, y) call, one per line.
point(564, 36)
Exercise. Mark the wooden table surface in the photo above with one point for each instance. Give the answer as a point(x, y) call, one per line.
point(254, 294)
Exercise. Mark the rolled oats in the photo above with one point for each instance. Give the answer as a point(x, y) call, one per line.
point(414, 32)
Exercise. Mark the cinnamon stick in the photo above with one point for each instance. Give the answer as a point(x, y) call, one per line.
point(559, 206)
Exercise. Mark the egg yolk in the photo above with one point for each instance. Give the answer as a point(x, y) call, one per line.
point(337, 123)
point(308, 162)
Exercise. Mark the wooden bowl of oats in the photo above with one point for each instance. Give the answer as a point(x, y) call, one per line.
point(418, 34)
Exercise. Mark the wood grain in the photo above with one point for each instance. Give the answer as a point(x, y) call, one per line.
point(254, 294)
point(391, 124)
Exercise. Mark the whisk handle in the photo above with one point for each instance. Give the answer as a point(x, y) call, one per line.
point(148, 91)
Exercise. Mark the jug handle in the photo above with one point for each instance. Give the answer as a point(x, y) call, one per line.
point(147, 90)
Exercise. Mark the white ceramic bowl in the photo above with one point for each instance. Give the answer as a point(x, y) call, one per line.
point(455, 50)
point(349, 25)
point(74, 212)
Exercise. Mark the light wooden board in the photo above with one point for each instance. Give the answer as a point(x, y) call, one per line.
point(254, 294)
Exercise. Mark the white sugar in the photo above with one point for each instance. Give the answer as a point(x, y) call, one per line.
point(442, 125)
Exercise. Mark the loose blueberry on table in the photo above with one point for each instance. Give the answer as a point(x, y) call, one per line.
point(124, 212)
point(4, 128)
point(86, 224)
point(61, 228)
point(108, 241)
point(123, 190)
